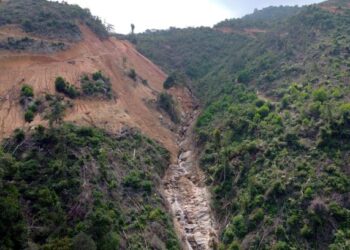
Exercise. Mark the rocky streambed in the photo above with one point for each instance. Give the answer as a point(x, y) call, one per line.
point(187, 195)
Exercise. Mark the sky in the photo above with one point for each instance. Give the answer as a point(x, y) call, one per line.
point(162, 14)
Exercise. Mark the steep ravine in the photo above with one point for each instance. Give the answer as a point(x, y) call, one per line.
point(187, 194)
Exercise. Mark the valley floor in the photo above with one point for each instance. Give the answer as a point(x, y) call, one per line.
point(188, 196)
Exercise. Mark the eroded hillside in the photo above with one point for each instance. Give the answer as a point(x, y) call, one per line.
point(133, 103)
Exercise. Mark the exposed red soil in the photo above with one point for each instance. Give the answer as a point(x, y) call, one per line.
point(114, 57)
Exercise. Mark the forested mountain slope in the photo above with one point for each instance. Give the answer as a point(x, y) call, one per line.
point(275, 128)
point(85, 136)
point(70, 187)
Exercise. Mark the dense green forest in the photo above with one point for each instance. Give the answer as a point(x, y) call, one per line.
point(69, 187)
point(50, 19)
point(275, 127)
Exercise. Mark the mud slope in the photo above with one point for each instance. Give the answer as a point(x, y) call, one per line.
point(133, 105)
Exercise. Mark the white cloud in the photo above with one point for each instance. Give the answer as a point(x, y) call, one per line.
point(157, 14)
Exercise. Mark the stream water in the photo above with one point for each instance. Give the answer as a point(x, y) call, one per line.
point(188, 196)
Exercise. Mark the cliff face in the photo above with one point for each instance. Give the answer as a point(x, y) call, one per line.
point(133, 103)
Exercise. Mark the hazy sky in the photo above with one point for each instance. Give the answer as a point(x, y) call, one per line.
point(162, 14)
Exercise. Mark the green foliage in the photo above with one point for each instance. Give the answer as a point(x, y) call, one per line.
point(169, 82)
point(56, 112)
point(320, 95)
point(239, 226)
point(28, 103)
point(255, 156)
point(27, 91)
point(99, 85)
point(132, 74)
point(341, 241)
point(166, 103)
point(13, 229)
point(62, 86)
point(137, 180)
point(71, 194)
point(279, 157)
point(50, 19)
point(19, 135)
point(29, 116)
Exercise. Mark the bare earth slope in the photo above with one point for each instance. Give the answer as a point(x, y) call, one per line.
point(114, 57)
point(133, 106)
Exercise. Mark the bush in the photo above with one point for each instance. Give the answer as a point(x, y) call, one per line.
point(97, 75)
point(280, 245)
point(29, 116)
point(263, 111)
point(166, 102)
point(244, 77)
point(66, 88)
point(169, 82)
point(83, 241)
point(256, 217)
point(99, 85)
point(345, 110)
point(234, 246)
point(239, 226)
point(308, 192)
point(320, 95)
point(132, 74)
point(305, 231)
point(27, 91)
point(60, 84)
point(19, 135)
point(136, 180)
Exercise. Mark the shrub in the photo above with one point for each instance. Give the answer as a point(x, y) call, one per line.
point(27, 91)
point(97, 75)
point(136, 180)
point(110, 242)
point(308, 192)
point(345, 110)
point(33, 107)
point(99, 85)
point(264, 110)
point(29, 116)
point(169, 82)
point(259, 103)
point(66, 88)
point(305, 231)
point(234, 246)
point(19, 135)
point(72, 92)
point(257, 216)
point(244, 77)
point(280, 245)
point(320, 95)
point(132, 74)
point(239, 226)
point(83, 241)
point(166, 102)
point(60, 84)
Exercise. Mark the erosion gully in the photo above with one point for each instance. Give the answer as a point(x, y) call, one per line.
point(188, 196)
